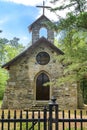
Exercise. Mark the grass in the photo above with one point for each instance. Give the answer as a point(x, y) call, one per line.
point(0, 103)
point(30, 126)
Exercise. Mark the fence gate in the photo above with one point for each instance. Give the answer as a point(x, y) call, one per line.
point(48, 119)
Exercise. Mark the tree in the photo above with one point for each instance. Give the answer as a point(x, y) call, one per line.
point(3, 79)
point(75, 56)
point(76, 16)
point(74, 43)
point(78, 5)
point(12, 49)
point(8, 50)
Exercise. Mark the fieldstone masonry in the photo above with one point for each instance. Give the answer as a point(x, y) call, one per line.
point(37, 25)
point(20, 90)
point(23, 70)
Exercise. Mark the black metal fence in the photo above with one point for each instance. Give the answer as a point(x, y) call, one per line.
point(48, 119)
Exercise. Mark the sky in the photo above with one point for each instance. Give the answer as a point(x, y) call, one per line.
point(17, 15)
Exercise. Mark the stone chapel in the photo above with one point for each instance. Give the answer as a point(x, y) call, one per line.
point(32, 68)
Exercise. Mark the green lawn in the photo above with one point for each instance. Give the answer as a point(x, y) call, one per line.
point(0, 103)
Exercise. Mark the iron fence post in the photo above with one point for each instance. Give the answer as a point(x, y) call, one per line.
point(53, 107)
point(45, 118)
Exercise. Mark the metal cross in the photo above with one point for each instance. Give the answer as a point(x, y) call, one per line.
point(43, 7)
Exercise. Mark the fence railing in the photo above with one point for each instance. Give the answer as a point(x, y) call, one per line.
point(47, 119)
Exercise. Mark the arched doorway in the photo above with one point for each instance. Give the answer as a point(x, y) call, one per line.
point(42, 92)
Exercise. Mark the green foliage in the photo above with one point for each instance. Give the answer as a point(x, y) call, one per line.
point(12, 51)
point(8, 50)
point(78, 5)
point(30, 126)
point(3, 79)
point(75, 18)
point(2, 44)
point(72, 21)
point(81, 21)
point(74, 43)
point(74, 59)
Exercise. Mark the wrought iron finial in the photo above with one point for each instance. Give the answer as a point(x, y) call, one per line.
point(53, 100)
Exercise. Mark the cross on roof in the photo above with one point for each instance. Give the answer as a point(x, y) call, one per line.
point(43, 7)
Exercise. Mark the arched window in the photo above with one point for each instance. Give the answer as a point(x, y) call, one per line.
point(43, 32)
point(42, 92)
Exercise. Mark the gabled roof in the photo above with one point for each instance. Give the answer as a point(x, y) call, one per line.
point(41, 17)
point(42, 40)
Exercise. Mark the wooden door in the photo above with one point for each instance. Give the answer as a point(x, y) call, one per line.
point(42, 92)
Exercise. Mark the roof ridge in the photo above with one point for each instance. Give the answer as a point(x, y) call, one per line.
point(42, 40)
point(30, 26)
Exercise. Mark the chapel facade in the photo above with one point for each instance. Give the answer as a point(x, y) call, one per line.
point(30, 70)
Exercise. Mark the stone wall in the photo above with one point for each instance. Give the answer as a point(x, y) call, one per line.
point(20, 91)
point(36, 28)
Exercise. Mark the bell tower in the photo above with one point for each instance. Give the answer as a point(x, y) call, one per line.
point(41, 22)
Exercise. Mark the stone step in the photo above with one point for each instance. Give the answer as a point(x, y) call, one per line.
point(37, 107)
